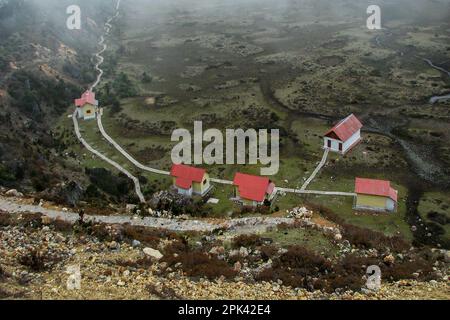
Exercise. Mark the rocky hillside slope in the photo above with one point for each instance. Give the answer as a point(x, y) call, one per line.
point(43, 67)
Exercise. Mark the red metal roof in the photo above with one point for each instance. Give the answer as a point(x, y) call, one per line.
point(253, 188)
point(346, 128)
point(87, 97)
point(186, 175)
point(375, 188)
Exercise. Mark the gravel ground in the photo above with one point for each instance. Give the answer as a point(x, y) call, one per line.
point(207, 225)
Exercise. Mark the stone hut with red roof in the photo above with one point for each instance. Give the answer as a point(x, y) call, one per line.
point(253, 190)
point(189, 180)
point(87, 106)
point(344, 136)
point(375, 195)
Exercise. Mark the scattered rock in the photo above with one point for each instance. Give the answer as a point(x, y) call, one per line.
point(130, 208)
point(243, 252)
point(389, 259)
point(217, 250)
point(136, 244)
point(447, 256)
point(14, 193)
point(300, 213)
point(152, 253)
point(46, 220)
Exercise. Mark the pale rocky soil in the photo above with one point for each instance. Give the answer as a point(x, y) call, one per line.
point(104, 278)
point(21, 205)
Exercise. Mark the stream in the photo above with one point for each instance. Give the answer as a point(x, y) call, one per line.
point(435, 99)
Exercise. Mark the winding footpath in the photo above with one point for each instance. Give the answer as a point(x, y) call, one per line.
point(106, 159)
point(100, 60)
point(316, 171)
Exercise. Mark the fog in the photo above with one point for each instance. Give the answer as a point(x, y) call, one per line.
point(54, 10)
point(50, 15)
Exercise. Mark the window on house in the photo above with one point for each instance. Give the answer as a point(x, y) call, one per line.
point(88, 111)
point(340, 146)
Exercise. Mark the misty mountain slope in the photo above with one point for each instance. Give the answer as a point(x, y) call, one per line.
point(43, 67)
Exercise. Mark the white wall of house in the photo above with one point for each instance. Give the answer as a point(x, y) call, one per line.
point(81, 114)
point(391, 205)
point(346, 145)
point(332, 144)
point(352, 140)
point(185, 192)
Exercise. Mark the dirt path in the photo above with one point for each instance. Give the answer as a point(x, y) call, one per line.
point(247, 225)
point(135, 180)
point(316, 171)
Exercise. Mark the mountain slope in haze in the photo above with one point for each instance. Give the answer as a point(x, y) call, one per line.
point(43, 67)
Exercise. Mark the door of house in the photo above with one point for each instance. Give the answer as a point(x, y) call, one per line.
point(329, 144)
point(340, 147)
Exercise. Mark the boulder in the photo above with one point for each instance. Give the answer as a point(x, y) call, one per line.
point(152, 253)
point(447, 256)
point(389, 259)
point(338, 237)
point(135, 243)
point(14, 193)
point(243, 252)
point(130, 208)
point(46, 220)
point(217, 250)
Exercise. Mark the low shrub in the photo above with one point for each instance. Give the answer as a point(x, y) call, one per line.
point(163, 292)
point(362, 237)
point(268, 252)
point(366, 239)
point(199, 264)
point(297, 268)
point(3, 274)
point(141, 263)
point(5, 219)
point(31, 220)
point(247, 240)
point(34, 260)
point(62, 226)
point(406, 269)
point(148, 236)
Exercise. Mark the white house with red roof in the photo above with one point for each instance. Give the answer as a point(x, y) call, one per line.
point(375, 195)
point(189, 180)
point(344, 136)
point(253, 190)
point(87, 106)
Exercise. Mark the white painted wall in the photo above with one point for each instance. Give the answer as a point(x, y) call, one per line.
point(334, 144)
point(352, 140)
point(81, 115)
point(185, 192)
point(345, 145)
point(390, 205)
